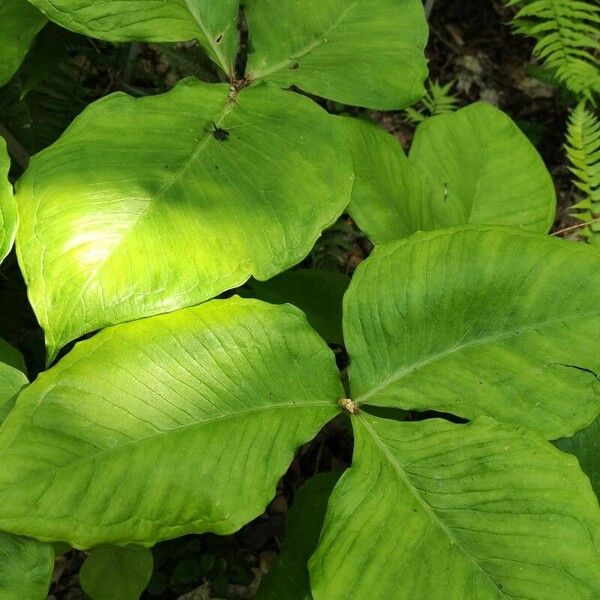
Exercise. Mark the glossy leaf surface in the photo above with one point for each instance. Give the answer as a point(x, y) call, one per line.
point(19, 24)
point(116, 572)
point(480, 321)
point(483, 170)
point(360, 52)
point(213, 24)
point(462, 512)
point(176, 212)
point(181, 423)
point(8, 206)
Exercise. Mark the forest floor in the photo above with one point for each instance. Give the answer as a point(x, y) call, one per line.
point(471, 45)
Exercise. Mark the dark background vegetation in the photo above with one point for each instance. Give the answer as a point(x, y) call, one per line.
point(470, 44)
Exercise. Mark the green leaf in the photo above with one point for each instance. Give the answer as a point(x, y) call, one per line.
point(25, 568)
point(213, 24)
point(479, 321)
point(172, 216)
point(8, 206)
point(482, 169)
point(19, 24)
point(360, 52)
point(288, 578)
point(11, 356)
point(481, 511)
point(472, 166)
point(181, 423)
point(12, 377)
point(389, 199)
point(317, 292)
point(585, 445)
point(116, 573)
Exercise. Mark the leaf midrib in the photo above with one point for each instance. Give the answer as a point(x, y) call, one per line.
point(410, 369)
point(94, 456)
point(425, 506)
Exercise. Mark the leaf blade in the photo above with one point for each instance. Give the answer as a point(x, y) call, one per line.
point(185, 406)
point(478, 321)
point(116, 573)
point(20, 22)
point(110, 234)
point(363, 52)
point(483, 170)
point(213, 24)
point(466, 503)
point(8, 206)
point(25, 569)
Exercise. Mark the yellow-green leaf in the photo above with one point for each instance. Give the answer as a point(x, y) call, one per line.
point(180, 423)
point(479, 321)
point(212, 23)
point(8, 206)
point(360, 52)
point(482, 511)
point(177, 211)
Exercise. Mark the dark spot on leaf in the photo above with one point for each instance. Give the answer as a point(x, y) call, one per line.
point(295, 66)
point(220, 134)
point(219, 39)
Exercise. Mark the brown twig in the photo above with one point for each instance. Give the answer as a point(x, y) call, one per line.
point(578, 226)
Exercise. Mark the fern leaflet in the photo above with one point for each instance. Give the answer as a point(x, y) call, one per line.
point(583, 151)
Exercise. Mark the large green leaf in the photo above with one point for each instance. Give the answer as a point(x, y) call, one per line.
point(8, 206)
point(472, 166)
point(180, 423)
point(317, 292)
point(174, 213)
point(12, 377)
point(212, 23)
point(461, 512)
point(360, 52)
point(116, 573)
point(482, 169)
point(19, 24)
point(585, 445)
point(390, 199)
point(479, 321)
point(25, 568)
point(288, 578)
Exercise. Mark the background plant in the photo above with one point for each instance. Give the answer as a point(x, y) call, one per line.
point(568, 45)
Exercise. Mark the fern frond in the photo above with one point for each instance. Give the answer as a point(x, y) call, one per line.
point(438, 100)
point(583, 152)
point(567, 39)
